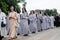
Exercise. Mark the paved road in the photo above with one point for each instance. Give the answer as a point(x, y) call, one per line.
point(51, 34)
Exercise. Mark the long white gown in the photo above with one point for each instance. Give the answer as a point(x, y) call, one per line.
point(33, 24)
point(19, 27)
point(39, 18)
point(3, 29)
point(7, 24)
point(52, 21)
point(44, 22)
point(47, 22)
point(24, 24)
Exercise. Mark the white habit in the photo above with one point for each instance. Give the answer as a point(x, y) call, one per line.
point(3, 29)
point(24, 24)
point(33, 23)
point(44, 22)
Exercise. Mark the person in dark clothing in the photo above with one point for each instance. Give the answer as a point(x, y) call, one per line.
point(57, 23)
point(59, 20)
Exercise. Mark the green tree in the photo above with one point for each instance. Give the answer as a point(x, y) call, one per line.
point(24, 4)
point(52, 11)
point(47, 11)
point(5, 4)
point(55, 11)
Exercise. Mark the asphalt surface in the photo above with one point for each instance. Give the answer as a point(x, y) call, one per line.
point(51, 34)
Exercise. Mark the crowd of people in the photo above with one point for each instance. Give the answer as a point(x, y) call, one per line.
point(24, 24)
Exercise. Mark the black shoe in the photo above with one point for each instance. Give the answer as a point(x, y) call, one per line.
point(18, 34)
point(2, 36)
point(8, 34)
point(33, 32)
point(25, 35)
point(38, 30)
point(41, 30)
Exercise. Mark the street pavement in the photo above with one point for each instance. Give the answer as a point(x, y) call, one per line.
point(51, 34)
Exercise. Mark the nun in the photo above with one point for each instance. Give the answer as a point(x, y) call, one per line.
point(3, 23)
point(39, 20)
point(7, 25)
point(19, 27)
point(47, 21)
point(44, 22)
point(52, 21)
point(33, 24)
point(24, 22)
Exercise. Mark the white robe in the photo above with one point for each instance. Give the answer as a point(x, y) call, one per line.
point(52, 21)
point(47, 22)
point(7, 24)
point(24, 24)
point(33, 24)
point(44, 22)
point(39, 24)
point(3, 29)
point(19, 27)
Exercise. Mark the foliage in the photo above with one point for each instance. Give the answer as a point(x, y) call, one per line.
point(5, 4)
point(52, 11)
point(24, 4)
